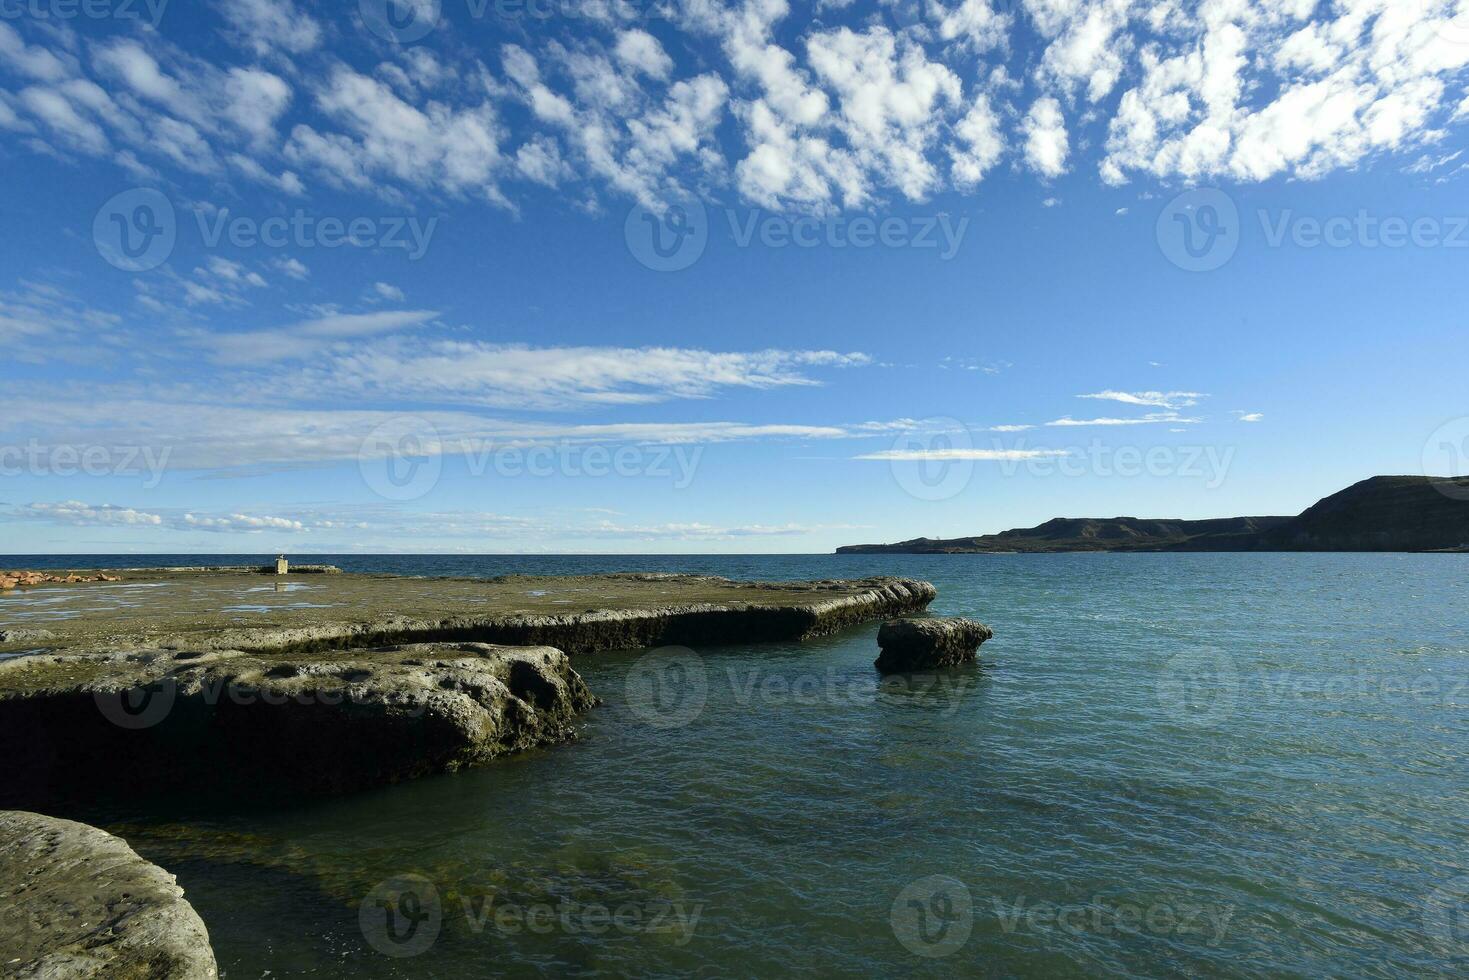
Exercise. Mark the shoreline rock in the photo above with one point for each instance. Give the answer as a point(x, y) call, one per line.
point(928, 644)
point(29, 580)
point(612, 612)
point(225, 723)
point(80, 902)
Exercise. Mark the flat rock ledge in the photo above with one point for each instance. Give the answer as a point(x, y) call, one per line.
point(227, 723)
point(577, 614)
point(928, 644)
point(81, 904)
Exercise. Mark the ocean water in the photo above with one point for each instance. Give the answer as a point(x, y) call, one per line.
point(1207, 765)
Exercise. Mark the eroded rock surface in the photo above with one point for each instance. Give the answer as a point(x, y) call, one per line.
point(81, 904)
point(579, 614)
point(928, 644)
point(155, 722)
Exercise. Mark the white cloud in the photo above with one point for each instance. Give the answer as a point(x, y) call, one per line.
point(516, 376)
point(77, 513)
point(640, 51)
point(954, 455)
point(267, 26)
point(1153, 399)
point(205, 434)
point(1046, 142)
point(823, 117)
point(308, 337)
point(1154, 418)
point(294, 268)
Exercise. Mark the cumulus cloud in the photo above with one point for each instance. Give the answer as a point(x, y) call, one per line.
point(1046, 142)
point(782, 111)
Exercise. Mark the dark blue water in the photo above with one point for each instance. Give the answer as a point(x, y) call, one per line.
point(1219, 765)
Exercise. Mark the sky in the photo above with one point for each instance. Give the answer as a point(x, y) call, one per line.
point(493, 276)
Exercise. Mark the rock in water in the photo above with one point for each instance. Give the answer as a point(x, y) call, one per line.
point(224, 722)
point(80, 903)
point(926, 644)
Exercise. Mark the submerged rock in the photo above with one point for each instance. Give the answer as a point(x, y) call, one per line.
point(926, 644)
point(80, 903)
point(226, 722)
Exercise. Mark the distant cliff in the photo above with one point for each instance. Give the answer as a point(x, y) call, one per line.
point(1384, 513)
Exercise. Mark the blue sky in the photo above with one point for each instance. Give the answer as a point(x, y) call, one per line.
point(704, 277)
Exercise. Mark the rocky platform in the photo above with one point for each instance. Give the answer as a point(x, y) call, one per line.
point(928, 644)
point(159, 722)
point(198, 683)
point(80, 903)
point(193, 610)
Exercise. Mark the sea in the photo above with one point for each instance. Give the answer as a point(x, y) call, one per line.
point(1251, 765)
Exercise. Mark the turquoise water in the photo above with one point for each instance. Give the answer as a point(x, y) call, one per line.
point(1219, 765)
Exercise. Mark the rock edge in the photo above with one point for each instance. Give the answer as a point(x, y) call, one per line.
point(928, 644)
point(80, 903)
